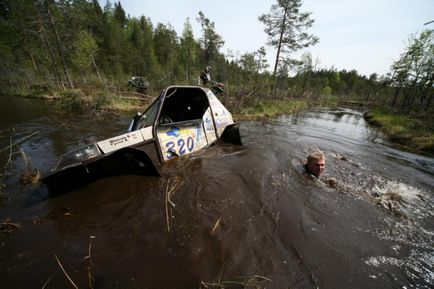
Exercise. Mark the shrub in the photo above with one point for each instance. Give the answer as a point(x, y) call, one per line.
point(100, 100)
point(73, 99)
point(327, 91)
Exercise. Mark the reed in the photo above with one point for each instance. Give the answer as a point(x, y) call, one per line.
point(214, 228)
point(65, 273)
point(271, 108)
point(90, 265)
point(172, 186)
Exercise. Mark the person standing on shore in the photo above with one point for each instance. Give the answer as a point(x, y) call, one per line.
point(206, 75)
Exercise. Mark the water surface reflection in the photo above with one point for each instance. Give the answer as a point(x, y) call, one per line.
point(238, 211)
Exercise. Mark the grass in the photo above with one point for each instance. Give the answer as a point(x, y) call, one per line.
point(401, 129)
point(126, 105)
point(271, 108)
point(76, 99)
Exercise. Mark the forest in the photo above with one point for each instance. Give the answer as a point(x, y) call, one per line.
point(77, 47)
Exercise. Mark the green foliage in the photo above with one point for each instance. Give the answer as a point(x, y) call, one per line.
point(76, 99)
point(285, 25)
point(85, 49)
point(119, 14)
point(100, 100)
point(72, 99)
point(327, 91)
point(404, 130)
point(166, 50)
point(211, 41)
point(102, 48)
point(273, 108)
point(189, 50)
point(413, 72)
point(43, 42)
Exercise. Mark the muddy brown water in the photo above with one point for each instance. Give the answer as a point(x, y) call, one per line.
point(238, 215)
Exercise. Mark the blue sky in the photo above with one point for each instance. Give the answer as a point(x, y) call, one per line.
point(366, 35)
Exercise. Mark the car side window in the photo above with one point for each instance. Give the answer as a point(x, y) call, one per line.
point(149, 116)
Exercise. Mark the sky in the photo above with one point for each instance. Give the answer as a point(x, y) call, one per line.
point(365, 35)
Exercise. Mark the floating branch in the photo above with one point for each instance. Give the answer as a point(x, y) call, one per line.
point(66, 274)
point(170, 190)
point(19, 141)
point(90, 263)
point(46, 282)
point(217, 223)
point(10, 153)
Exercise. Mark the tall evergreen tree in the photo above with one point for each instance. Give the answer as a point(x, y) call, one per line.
point(211, 42)
point(18, 41)
point(166, 49)
point(151, 66)
point(112, 44)
point(189, 50)
point(261, 65)
point(285, 25)
point(60, 44)
point(119, 14)
point(248, 65)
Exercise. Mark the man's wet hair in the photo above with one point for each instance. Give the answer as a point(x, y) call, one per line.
point(316, 155)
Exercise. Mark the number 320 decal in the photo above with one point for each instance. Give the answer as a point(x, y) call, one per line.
point(179, 147)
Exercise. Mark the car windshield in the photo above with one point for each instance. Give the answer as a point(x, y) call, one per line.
point(183, 104)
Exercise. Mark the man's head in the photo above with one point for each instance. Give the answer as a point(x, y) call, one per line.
point(315, 163)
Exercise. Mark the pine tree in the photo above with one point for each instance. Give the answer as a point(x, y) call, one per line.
point(211, 42)
point(119, 14)
point(151, 66)
point(189, 48)
point(285, 25)
point(166, 49)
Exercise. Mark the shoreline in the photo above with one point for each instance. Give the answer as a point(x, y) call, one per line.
point(406, 132)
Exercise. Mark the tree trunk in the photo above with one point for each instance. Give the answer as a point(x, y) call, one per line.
point(412, 98)
point(425, 94)
point(369, 93)
point(279, 47)
point(187, 66)
point(172, 68)
point(7, 70)
point(428, 104)
point(255, 81)
point(59, 48)
point(50, 50)
point(408, 99)
point(31, 55)
point(395, 95)
point(96, 68)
